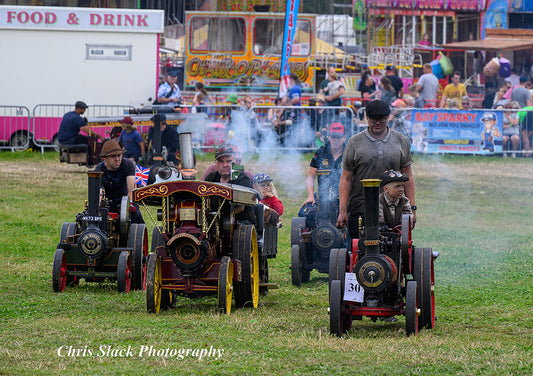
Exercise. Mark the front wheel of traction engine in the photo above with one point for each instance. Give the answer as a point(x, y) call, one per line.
point(124, 272)
point(59, 271)
point(296, 266)
point(339, 323)
point(245, 249)
point(153, 283)
point(225, 285)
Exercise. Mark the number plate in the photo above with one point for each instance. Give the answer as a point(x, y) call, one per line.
point(353, 292)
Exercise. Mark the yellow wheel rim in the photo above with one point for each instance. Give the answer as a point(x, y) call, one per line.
point(157, 286)
point(254, 259)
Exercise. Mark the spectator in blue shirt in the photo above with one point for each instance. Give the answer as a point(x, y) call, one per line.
point(71, 125)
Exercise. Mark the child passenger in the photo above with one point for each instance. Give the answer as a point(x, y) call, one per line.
point(262, 183)
point(131, 139)
point(392, 201)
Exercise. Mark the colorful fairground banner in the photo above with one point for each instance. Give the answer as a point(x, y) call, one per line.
point(291, 17)
point(452, 131)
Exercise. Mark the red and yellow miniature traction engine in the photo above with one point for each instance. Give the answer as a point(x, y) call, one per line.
point(200, 248)
point(383, 276)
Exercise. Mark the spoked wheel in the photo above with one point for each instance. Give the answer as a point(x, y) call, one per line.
point(405, 242)
point(138, 243)
point(153, 283)
point(337, 319)
point(411, 309)
point(297, 223)
point(59, 271)
point(124, 272)
point(225, 285)
point(245, 249)
point(337, 265)
point(424, 275)
point(296, 266)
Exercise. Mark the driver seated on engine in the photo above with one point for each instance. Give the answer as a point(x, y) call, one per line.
point(224, 158)
point(118, 178)
point(392, 201)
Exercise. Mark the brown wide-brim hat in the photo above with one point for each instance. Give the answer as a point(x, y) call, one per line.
point(111, 147)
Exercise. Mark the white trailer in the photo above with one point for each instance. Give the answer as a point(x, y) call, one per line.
point(57, 55)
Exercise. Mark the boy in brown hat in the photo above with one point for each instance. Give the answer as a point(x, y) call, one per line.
point(118, 178)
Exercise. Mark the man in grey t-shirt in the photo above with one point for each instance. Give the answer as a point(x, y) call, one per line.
point(366, 156)
point(428, 86)
point(520, 94)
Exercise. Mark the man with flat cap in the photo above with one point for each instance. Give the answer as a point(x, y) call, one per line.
point(71, 125)
point(366, 156)
point(118, 178)
point(224, 158)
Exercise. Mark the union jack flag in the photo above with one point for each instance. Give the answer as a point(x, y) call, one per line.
point(141, 176)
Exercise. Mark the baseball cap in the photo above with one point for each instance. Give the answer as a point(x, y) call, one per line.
point(489, 116)
point(391, 176)
point(261, 177)
point(127, 120)
point(162, 117)
point(172, 73)
point(390, 68)
point(377, 108)
point(80, 104)
point(336, 128)
point(523, 79)
point(224, 150)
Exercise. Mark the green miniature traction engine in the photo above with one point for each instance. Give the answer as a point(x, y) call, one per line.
point(101, 245)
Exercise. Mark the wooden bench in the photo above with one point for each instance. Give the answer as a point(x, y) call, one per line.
point(73, 154)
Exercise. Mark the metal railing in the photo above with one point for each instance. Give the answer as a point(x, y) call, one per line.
point(15, 128)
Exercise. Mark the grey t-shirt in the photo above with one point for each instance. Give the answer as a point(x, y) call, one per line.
point(368, 157)
point(521, 95)
point(430, 86)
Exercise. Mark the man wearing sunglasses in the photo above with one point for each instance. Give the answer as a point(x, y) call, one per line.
point(366, 156)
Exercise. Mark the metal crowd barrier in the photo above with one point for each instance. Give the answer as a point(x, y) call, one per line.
point(14, 128)
point(46, 120)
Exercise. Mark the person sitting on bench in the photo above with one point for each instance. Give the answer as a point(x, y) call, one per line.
point(71, 125)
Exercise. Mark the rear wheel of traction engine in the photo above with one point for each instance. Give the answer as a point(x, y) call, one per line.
point(427, 293)
point(297, 223)
point(411, 309)
point(59, 271)
point(153, 283)
point(337, 265)
point(422, 274)
point(225, 285)
point(245, 249)
point(157, 239)
point(337, 319)
point(138, 243)
point(124, 272)
point(296, 266)
point(69, 229)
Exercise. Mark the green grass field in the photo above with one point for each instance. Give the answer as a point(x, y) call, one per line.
point(476, 211)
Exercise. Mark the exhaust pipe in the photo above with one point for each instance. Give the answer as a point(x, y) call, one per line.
point(187, 156)
point(371, 197)
point(94, 192)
